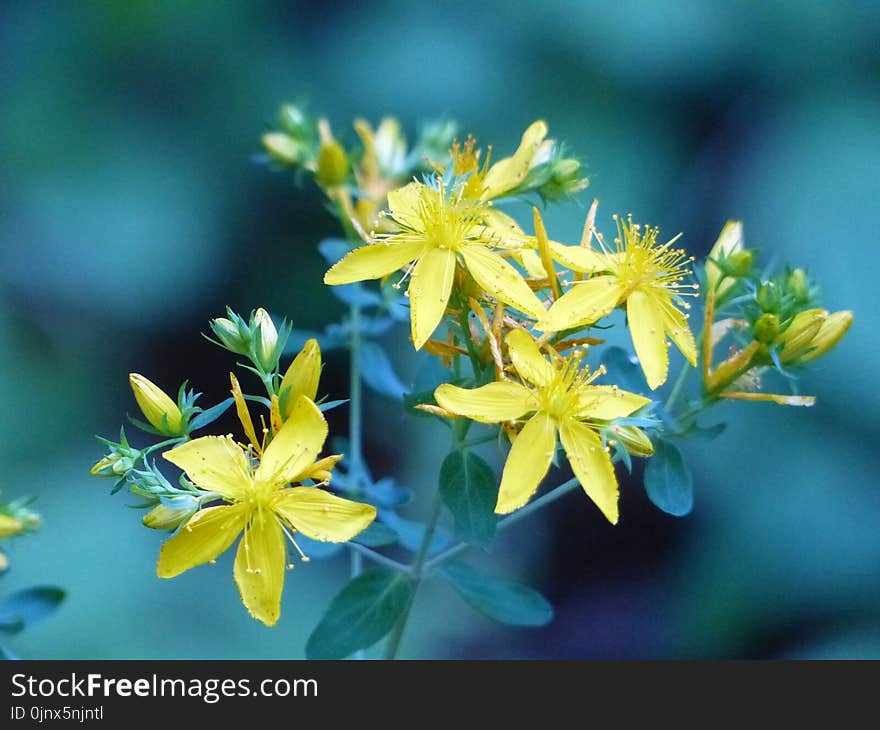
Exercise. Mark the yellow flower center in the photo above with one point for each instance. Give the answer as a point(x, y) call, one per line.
point(561, 396)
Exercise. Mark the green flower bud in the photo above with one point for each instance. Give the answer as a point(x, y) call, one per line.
point(293, 120)
point(166, 518)
point(234, 337)
point(767, 297)
point(332, 164)
point(798, 286)
point(766, 329)
point(739, 263)
point(265, 340)
point(634, 439)
point(282, 148)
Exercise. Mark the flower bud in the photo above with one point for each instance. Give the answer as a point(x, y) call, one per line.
point(332, 164)
point(166, 518)
point(282, 148)
point(798, 337)
point(798, 286)
point(634, 439)
point(294, 120)
point(767, 297)
point(833, 328)
point(113, 465)
point(739, 263)
point(729, 242)
point(231, 335)
point(766, 329)
point(162, 412)
point(9, 526)
point(265, 340)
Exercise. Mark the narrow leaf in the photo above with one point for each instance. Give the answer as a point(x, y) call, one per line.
point(210, 415)
point(28, 607)
point(377, 371)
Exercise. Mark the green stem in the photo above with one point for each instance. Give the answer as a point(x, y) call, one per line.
point(355, 435)
point(418, 571)
point(464, 323)
point(358, 551)
point(676, 389)
point(520, 514)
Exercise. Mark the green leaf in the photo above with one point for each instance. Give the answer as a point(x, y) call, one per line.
point(28, 607)
point(668, 480)
point(469, 490)
point(361, 614)
point(210, 415)
point(504, 601)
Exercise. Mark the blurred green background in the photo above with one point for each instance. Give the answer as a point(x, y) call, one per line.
point(132, 212)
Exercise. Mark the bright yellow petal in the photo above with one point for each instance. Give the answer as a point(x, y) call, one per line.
point(531, 261)
point(492, 403)
point(244, 415)
point(645, 316)
point(301, 377)
point(607, 402)
point(527, 464)
point(511, 171)
point(501, 280)
point(206, 535)
point(527, 358)
point(259, 567)
point(676, 326)
point(214, 463)
point(373, 261)
point(591, 465)
point(579, 258)
point(323, 516)
point(503, 230)
point(404, 205)
point(156, 405)
point(295, 446)
point(585, 303)
point(429, 289)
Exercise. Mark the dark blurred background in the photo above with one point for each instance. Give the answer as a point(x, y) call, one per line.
point(132, 212)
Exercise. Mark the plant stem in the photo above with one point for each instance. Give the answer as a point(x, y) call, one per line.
point(539, 503)
point(355, 456)
point(359, 551)
point(418, 571)
point(676, 389)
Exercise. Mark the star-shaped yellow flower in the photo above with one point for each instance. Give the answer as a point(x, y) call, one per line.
point(439, 229)
point(260, 506)
point(645, 276)
point(562, 400)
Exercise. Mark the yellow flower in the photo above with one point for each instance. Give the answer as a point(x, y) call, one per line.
point(561, 398)
point(260, 506)
point(833, 328)
point(647, 277)
point(162, 412)
point(440, 230)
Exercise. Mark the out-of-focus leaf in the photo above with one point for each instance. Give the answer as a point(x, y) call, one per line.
point(504, 601)
point(668, 480)
point(410, 533)
point(28, 607)
point(623, 370)
point(388, 493)
point(361, 614)
point(469, 490)
point(356, 295)
point(377, 371)
point(333, 249)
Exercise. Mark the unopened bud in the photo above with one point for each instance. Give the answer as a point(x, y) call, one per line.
point(265, 339)
point(798, 286)
point(766, 328)
point(162, 412)
point(230, 335)
point(165, 518)
point(833, 328)
point(282, 148)
point(332, 164)
point(798, 338)
point(739, 263)
point(634, 439)
point(9, 526)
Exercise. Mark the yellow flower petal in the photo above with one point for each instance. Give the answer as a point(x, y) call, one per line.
point(527, 464)
point(323, 516)
point(501, 280)
point(295, 446)
point(429, 289)
point(834, 327)
point(301, 377)
point(585, 303)
point(214, 463)
point(259, 569)
point(645, 316)
point(579, 258)
point(607, 402)
point(503, 230)
point(207, 534)
point(244, 415)
point(404, 205)
point(527, 358)
point(531, 261)
point(591, 465)
point(676, 326)
point(492, 403)
point(511, 171)
point(373, 261)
